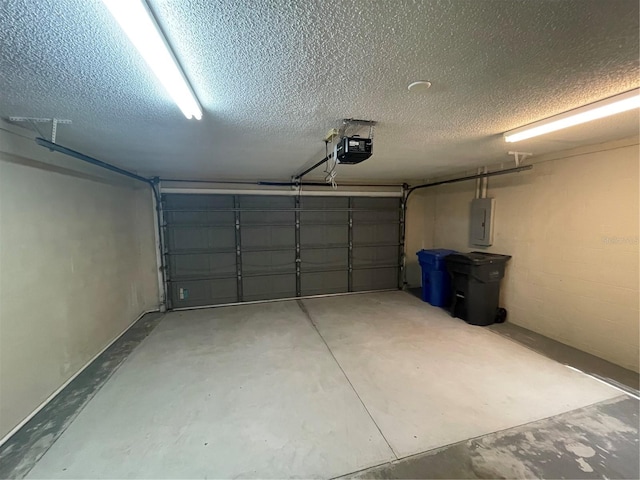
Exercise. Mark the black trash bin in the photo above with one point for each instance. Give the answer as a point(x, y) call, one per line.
point(475, 291)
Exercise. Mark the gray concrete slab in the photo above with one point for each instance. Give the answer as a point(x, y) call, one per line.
point(623, 378)
point(430, 380)
point(599, 441)
point(243, 392)
point(583, 361)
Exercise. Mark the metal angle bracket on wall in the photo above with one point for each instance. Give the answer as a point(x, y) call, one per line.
point(520, 156)
point(33, 121)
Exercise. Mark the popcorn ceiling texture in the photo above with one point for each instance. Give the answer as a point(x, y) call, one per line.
point(273, 76)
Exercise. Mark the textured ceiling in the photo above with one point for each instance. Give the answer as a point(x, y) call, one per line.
point(274, 75)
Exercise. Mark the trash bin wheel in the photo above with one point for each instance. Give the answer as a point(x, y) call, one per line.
point(501, 315)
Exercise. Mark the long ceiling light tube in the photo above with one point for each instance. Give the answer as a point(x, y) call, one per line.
point(137, 21)
point(603, 108)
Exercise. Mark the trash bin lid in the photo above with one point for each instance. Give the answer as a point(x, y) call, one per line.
point(477, 258)
point(435, 252)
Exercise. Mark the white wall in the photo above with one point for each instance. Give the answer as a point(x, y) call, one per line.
point(77, 267)
point(571, 225)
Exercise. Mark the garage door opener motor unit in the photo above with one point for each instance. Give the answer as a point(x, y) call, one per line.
point(353, 150)
point(350, 148)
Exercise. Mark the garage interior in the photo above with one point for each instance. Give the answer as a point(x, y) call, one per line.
point(224, 283)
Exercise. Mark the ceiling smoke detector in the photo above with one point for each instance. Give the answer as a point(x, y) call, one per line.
point(419, 86)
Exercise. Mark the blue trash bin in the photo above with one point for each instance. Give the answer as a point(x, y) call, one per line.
point(436, 282)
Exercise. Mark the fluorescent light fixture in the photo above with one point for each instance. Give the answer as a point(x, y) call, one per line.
point(138, 23)
point(603, 108)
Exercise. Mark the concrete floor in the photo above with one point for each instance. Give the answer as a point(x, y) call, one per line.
point(316, 388)
point(623, 378)
point(246, 391)
point(596, 442)
point(430, 380)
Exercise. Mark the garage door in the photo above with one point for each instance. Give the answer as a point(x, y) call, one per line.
point(238, 248)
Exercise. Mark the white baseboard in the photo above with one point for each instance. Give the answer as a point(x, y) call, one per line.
point(57, 391)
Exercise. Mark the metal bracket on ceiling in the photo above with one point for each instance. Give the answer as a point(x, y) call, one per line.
point(355, 122)
point(34, 121)
point(520, 156)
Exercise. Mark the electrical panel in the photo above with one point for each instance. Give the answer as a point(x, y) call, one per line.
point(481, 224)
